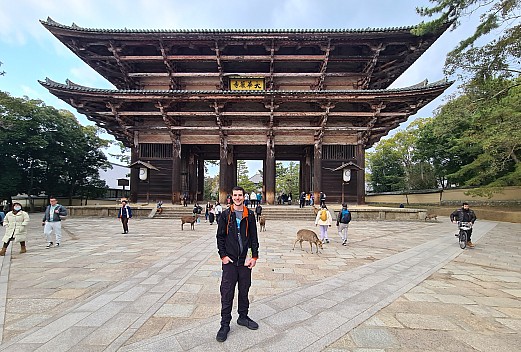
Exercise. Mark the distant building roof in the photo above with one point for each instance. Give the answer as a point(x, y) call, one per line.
point(257, 178)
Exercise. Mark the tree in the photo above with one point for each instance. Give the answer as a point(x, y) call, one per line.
point(243, 179)
point(46, 150)
point(386, 167)
point(500, 20)
point(287, 178)
point(124, 152)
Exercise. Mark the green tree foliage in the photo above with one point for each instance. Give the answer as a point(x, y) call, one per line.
point(211, 187)
point(494, 49)
point(496, 134)
point(286, 178)
point(387, 169)
point(124, 153)
point(473, 141)
point(43, 149)
point(243, 178)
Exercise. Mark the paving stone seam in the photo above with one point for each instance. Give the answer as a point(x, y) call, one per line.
point(120, 341)
point(4, 280)
point(194, 247)
point(442, 243)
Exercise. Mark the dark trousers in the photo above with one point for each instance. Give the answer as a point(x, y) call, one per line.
point(469, 234)
point(258, 217)
point(124, 221)
point(232, 275)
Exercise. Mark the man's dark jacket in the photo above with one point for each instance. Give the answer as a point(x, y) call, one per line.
point(227, 238)
point(463, 215)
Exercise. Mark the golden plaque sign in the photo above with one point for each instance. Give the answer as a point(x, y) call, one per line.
point(245, 83)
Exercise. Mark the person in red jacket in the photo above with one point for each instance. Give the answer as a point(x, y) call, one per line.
point(236, 234)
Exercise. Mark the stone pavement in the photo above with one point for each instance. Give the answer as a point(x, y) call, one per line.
point(397, 286)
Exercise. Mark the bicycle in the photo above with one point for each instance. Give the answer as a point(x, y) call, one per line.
point(462, 235)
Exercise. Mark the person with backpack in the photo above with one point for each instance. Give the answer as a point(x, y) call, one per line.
point(236, 236)
point(342, 222)
point(323, 219)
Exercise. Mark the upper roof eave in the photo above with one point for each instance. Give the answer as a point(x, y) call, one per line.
point(51, 24)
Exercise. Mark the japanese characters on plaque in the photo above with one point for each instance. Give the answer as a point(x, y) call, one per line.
point(246, 83)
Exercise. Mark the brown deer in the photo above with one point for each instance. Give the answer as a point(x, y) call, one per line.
point(262, 223)
point(310, 236)
point(191, 219)
point(431, 216)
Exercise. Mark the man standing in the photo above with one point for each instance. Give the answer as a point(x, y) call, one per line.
point(125, 213)
point(52, 222)
point(236, 233)
point(342, 222)
point(464, 214)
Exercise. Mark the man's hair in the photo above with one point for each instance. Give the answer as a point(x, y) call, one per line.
point(52, 197)
point(238, 188)
point(344, 205)
point(464, 203)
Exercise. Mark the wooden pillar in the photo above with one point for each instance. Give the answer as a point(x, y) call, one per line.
point(360, 175)
point(192, 176)
point(269, 171)
point(226, 170)
point(306, 171)
point(200, 179)
point(317, 167)
point(176, 169)
point(134, 174)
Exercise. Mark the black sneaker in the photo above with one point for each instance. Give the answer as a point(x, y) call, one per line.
point(327, 241)
point(222, 334)
point(57, 244)
point(246, 321)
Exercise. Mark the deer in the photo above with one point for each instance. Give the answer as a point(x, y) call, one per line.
point(191, 219)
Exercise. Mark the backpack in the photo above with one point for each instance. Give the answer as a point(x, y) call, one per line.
point(323, 215)
point(346, 216)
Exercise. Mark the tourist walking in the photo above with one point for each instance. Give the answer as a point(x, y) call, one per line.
point(125, 213)
point(15, 222)
point(236, 234)
point(323, 220)
point(218, 211)
point(258, 211)
point(342, 222)
point(253, 199)
point(52, 222)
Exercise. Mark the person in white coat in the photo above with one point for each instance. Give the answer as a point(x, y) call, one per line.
point(16, 222)
point(323, 220)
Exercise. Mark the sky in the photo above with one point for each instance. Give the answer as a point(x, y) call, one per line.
point(29, 52)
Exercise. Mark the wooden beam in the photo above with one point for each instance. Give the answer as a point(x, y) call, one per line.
point(320, 81)
point(242, 74)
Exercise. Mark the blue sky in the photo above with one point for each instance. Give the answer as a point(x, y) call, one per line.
point(30, 53)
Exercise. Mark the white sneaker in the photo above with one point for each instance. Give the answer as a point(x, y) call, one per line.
point(49, 245)
point(57, 244)
point(344, 243)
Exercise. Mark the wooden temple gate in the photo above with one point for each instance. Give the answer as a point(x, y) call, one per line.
point(319, 97)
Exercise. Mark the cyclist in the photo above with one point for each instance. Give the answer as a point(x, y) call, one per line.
point(464, 214)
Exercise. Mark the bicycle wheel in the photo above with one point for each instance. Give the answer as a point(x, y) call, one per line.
point(462, 239)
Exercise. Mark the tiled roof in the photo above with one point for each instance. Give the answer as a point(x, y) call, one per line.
point(51, 23)
point(74, 87)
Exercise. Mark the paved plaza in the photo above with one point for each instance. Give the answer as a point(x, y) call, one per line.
point(397, 286)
